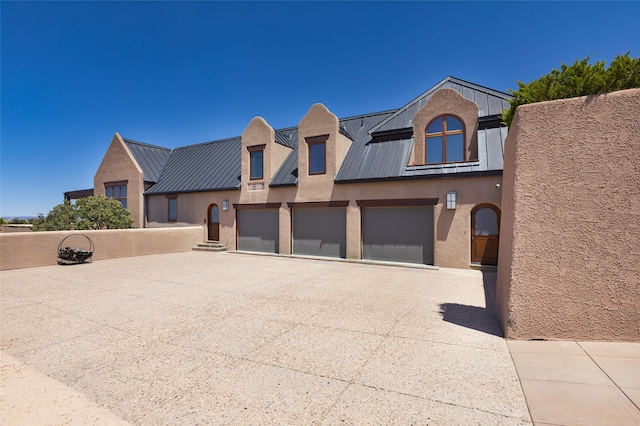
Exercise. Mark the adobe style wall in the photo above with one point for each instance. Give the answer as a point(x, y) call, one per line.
point(28, 250)
point(452, 228)
point(569, 266)
point(119, 165)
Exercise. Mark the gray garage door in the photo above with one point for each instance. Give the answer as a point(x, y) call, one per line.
point(258, 230)
point(398, 234)
point(320, 231)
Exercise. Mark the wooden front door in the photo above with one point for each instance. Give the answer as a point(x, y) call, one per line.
point(214, 223)
point(485, 234)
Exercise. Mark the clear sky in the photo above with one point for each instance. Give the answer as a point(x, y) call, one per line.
point(179, 73)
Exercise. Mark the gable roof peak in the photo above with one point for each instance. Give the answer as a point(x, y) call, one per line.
point(489, 101)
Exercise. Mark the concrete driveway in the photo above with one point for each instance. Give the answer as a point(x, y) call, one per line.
point(229, 338)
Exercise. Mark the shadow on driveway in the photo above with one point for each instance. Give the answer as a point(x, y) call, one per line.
point(476, 317)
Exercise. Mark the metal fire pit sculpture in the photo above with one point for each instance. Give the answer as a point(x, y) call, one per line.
point(68, 255)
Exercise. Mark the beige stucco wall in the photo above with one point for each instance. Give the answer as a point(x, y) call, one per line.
point(260, 133)
point(570, 267)
point(118, 164)
point(193, 209)
point(27, 250)
point(452, 245)
point(450, 102)
point(317, 122)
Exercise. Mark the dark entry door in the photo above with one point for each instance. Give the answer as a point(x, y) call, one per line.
point(214, 223)
point(485, 234)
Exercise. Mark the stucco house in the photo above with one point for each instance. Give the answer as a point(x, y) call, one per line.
point(419, 184)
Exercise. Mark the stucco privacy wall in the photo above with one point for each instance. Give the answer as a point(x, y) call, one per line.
point(570, 267)
point(27, 250)
point(117, 165)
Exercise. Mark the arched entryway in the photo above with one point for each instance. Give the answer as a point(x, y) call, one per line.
point(213, 216)
point(485, 234)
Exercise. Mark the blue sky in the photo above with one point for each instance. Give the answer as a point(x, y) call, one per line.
point(179, 73)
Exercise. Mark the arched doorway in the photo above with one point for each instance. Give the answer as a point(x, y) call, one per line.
point(213, 216)
point(485, 234)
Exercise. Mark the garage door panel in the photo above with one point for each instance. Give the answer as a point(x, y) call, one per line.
point(258, 230)
point(398, 234)
point(320, 232)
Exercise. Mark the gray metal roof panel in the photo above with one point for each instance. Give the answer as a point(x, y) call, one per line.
point(204, 167)
point(287, 137)
point(287, 175)
point(150, 158)
point(490, 102)
point(356, 128)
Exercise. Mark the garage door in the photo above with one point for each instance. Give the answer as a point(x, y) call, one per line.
point(320, 231)
point(258, 230)
point(398, 234)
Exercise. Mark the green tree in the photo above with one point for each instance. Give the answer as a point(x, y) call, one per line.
point(87, 213)
point(61, 218)
point(579, 79)
point(102, 213)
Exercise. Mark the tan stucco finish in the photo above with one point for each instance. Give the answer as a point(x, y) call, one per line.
point(450, 102)
point(317, 122)
point(452, 228)
point(193, 209)
point(256, 134)
point(28, 250)
point(569, 258)
point(118, 165)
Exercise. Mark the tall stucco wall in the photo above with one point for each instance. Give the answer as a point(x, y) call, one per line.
point(570, 267)
point(27, 250)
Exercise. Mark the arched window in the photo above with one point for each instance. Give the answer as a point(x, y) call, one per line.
point(445, 140)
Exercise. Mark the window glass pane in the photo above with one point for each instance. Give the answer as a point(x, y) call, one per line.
point(124, 203)
point(109, 192)
point(173, 209)
point(434, 150)
point(486, 222)
point(256, 164)
point(215, 215)
point(123, 191)
point(453, 124)
point(455, 148)
point(316, 158)
point(435, 126)
point(116, 192)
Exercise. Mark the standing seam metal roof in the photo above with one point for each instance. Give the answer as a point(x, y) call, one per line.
point(216, 165)
point(150, 158)
point(490, 102)
point(204, 167)
point(355, 128)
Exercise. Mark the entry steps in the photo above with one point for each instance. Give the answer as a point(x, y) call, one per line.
point(210, 246)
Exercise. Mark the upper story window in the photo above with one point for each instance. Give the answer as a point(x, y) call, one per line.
point(256, 161)
point(117, 191)
point(317, 154)
point(445, 140)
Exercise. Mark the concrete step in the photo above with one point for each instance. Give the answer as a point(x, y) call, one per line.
point(210, 246)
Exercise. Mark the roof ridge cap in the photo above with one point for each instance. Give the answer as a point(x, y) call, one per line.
point(231, 139)
point(127, 140)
